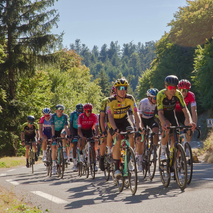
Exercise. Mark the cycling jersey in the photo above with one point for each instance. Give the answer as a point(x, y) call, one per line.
point(30, 132)
point(190, 98)
point(120, 109)
point(59, 123)
point(74, 119)
point(163, 103)
point(87, 122)
point(46, 124)
point(146, 109)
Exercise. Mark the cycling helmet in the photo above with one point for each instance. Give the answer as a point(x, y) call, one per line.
point(184, 84)
point(152, 92)
point(171, 80)
point(46, 111)
point(79, 108)
point(88, 106)
point(121, 82)
point(31, 119)
point(113, 89)
point(60, 107)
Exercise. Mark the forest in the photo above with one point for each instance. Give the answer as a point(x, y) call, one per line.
point(36, 72)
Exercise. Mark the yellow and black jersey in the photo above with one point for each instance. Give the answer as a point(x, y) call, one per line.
point(29, 131)
point(120, 109)
point(163, 103)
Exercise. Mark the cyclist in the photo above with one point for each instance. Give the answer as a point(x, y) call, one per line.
point(189, 98)
point(29, 132)
point(74, 131)
point(118, 107)
point(104, 129)
point(147, 108)
point(166, 102)
point(45, 130)
point(87, 121)
point(58, 123)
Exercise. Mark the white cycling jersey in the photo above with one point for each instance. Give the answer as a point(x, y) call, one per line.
point(146, 109)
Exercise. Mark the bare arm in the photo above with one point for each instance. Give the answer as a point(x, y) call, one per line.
point(194, 114)
point(112, 121)
point(22, 136)
point(80, 132)
point(66, 130)
point(137, 120)
point(37, 135)
point(141, 120)
point(102, 121)
point(53, 130)
point(96, 130)
point(187, 115)
point(41, 130)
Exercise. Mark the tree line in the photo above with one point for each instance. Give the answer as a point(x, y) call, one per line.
point(36, 72)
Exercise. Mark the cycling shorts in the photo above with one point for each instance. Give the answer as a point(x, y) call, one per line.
point(123, 124)
point(57, 135)
point(150, 122)
point(88, 133)
point(28, 139)
point(180, 117)
point(171, 117)
point(48, 134)
point(75, 135)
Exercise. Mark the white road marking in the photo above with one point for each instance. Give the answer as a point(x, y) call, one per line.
point(13, 182)
point(1, 175)
point(50, 197)
point(207, 178)
point(11, 170)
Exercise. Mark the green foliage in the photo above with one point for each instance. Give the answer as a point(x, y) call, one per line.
point(203, 75)
point(192, 24)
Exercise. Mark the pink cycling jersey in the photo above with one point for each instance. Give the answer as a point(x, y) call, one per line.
point(190, 98)
point(87, 122)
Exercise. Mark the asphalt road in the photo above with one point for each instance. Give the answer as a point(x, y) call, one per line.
point(78, 194)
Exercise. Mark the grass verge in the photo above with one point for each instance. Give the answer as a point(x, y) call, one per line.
point(9, 162)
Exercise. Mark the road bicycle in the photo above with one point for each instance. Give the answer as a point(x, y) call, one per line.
point(149, 154)
point(175, 162)
point(188, 150)
point(127, 164)
point(88, 165)
point(31, 158)
point(48, 162)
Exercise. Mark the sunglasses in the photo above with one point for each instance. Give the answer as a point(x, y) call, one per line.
point(88, 111)
point(171, 87)
point(122, 88)
point(48, 115)
point(154, 98)
point(184, 90)
point(30, 123)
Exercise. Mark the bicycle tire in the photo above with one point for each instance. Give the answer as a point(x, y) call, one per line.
point(60, 165)
point(32, 161)
point(180, 166)
point(132, 172)
point(106, 170)
point(92, 163)
point(49, 162)
point(80, 168)
point(152, 161)
point(189, 162)
point(164, 168)
point(120, 182)
point(145, 162)
point(113, 176)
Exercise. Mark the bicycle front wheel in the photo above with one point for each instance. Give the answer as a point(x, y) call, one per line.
point(180, 167)
point(92, 162)
point(164, 168)
point(152, 161)
point(61, 163)
point(132, 170)
point(189, 162)
point(32, 160)
point(107, 168)
point(49, 162)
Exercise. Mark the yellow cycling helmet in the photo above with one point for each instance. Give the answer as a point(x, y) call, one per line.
point(121, 82)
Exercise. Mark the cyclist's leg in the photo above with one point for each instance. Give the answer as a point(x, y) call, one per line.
point(155, 129)
point(27, 146)
point(44, 146)
point(109, 140)
point(35, 149)
point(64, 142)
point(74, 148)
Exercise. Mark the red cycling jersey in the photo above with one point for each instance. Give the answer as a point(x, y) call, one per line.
point(87, 122)
point(190, 98)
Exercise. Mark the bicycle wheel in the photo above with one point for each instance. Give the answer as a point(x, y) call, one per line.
point(164, 168)
point(119, 182)
point(92, 162)
point(61, 163)
point(180, 166)
point(107, 168)
point(113, 176)
point(152, 161)
point(132, 170)
point(189, 162)
point(32, 160)
point(80, 169)
point(49, 162)
point(145, 162)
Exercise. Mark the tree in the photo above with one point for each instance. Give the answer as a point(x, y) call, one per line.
point(192, 25)
point(25, 26)
point(104, 83)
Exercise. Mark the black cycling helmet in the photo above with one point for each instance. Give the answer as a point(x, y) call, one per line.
point(31, 119)
point(79, 107)
point(171, 80)
point(60, 107)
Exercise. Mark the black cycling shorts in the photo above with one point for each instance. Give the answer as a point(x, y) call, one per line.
point(88, 133)
point(123, 124)
point(180, 117)
point(29, 138)
point(149, 122)
point(171, 117)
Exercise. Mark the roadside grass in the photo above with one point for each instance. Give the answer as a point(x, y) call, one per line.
point(9, 202)
point(207, 150)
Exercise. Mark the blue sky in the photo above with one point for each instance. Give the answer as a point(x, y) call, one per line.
point(98, 22)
